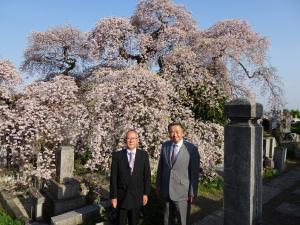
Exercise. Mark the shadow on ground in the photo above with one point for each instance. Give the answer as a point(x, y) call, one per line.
point(205, 205)
point(278, 212)
point(202, 206)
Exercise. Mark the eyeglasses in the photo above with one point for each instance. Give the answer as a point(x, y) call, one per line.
point(129, 139)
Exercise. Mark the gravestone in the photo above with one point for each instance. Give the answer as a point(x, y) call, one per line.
point(267, 125)
point(280, 158)
point(266, 147)
point(243, 163)
point(64, 164)
point(269, 144)
point(63, 193)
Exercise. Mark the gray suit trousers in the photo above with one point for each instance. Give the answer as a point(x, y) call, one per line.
point(174, 210)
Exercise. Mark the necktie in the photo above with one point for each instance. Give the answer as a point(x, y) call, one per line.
point(131, 161)
point(174, 153)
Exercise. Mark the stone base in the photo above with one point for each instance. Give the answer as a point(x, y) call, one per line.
point(79, 216)
point(66, 190)
point(268, 163)
point(53, 206)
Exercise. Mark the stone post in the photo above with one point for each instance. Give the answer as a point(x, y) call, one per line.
point(280, 158)
point(64, 164)
point(38, 204)
point(243, 163)
point(63, 193)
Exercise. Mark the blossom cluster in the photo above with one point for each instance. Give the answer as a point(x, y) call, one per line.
point(44, 115)
point(9, 77)
point(57, 50)
point(136, 98)
point(132, 98)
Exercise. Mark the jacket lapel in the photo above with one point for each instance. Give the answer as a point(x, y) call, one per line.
point(168, 154)
point(125, 160)
point(136, 161)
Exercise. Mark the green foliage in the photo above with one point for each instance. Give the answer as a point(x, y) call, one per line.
point(7, 220)
point(207, 113)
point(295, 113)
point(211, 186)
point(84, 156)
point(295, 128)
point(201, 106)
point(270, 173)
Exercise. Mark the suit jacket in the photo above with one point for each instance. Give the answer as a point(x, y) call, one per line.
point(126, 187)
point(180, 180)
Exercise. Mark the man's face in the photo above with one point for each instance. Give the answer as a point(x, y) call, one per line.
point(176, 133)
point(131, 140)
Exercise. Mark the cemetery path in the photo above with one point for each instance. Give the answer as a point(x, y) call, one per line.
point(281, 201)
point(284, 208)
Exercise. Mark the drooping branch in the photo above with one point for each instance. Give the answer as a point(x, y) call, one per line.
point(274, 89)
point(244, 68)
point(69, 61)
point(139, 58)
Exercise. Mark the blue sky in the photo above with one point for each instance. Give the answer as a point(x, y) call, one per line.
point(278, 20)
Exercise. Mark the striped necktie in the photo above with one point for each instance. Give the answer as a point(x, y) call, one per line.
point(174, 153)
point(131, 161)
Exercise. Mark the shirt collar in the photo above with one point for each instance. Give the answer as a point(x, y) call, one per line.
point(129, 151)
point(179, 143)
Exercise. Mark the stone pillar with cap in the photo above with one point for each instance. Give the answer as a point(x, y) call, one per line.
point(64, 164)
point(63, 193)
point(243, 163)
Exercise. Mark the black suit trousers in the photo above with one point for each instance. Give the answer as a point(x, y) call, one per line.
point(132, 215)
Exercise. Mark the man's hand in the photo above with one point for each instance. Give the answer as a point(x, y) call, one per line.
point(191, 199)
point(145, 200)
point(114, 202)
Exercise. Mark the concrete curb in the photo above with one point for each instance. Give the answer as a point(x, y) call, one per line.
point(13, 207)
point(81, 215)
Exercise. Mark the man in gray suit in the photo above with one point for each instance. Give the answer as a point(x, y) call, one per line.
point(177, 175)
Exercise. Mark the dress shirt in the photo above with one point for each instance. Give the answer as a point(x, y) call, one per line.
point(179, 144)
point(129, 152)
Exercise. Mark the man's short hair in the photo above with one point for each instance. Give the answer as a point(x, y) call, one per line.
point(175, 124)
point(131, 130)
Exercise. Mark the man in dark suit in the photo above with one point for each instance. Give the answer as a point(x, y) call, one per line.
point(129, 180)
point(177, 175)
